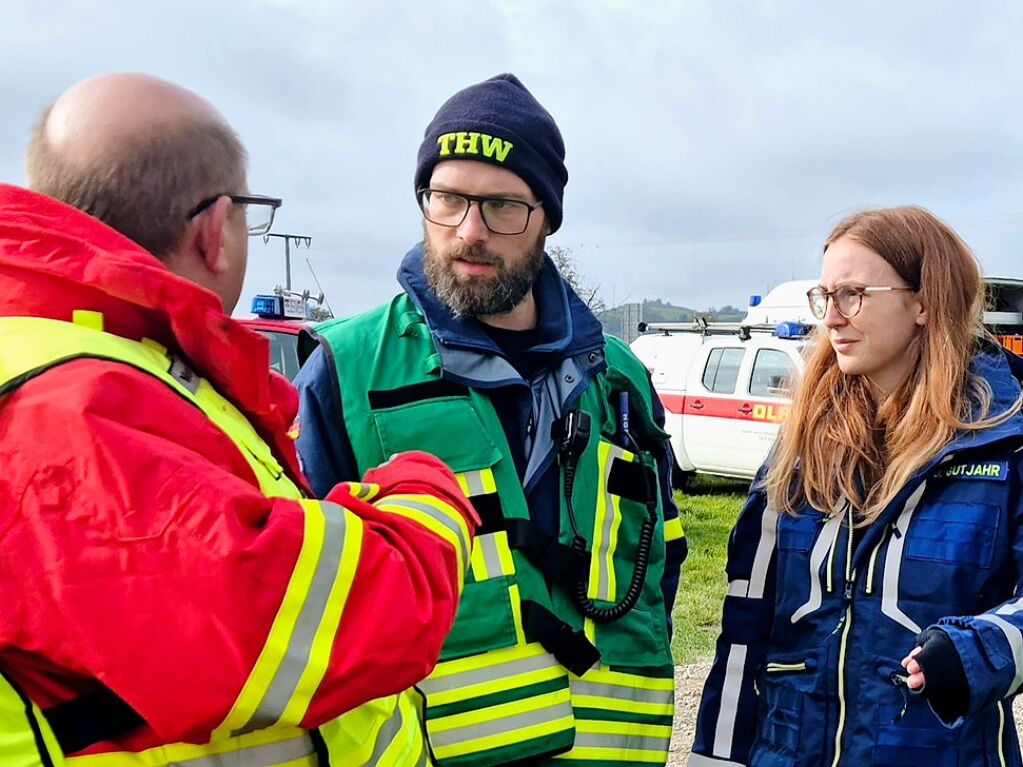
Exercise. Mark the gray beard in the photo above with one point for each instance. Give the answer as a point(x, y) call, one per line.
point(481, 296)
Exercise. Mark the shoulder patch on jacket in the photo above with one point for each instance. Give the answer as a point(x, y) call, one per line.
point(996, 471)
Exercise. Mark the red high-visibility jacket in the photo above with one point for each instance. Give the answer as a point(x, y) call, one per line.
point(136, 549)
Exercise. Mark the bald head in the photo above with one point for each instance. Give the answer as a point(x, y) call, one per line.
point(138, 153)
point(96, 116)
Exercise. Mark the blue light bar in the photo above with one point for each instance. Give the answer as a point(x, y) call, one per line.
point(792, 330)
point(755, 300)
point(268, 307)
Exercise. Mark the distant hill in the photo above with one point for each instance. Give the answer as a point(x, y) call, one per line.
point(621, 320)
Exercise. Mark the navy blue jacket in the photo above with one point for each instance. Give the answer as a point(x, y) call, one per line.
point(807, 670)
point(567, 334)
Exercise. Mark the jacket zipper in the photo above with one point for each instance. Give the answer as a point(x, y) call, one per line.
point(873, 559)
point(777, 667)
point(850, 577)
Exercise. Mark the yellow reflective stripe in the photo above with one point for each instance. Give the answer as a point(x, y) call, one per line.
point(620, 704)
point(494, 671)
point(364, 491)
point(621, 691)
point(504, 554)
point(516, 605)
point(603, 675)
point(602, 583)
point(620, 741)
point(326, 631)
point(264, 748)
point(293, 659)
point(479, 482)
point(491, 557)
point(505, 738)
point(590, 630)
point(498, 712)
point(478, 560)
point(472, 663)
point(436, 516)
point(385, 732)
point(283, 627)
point(407, 746)
point(88, 319)
point(18, 742)
point(673, 530)
point(499, 684)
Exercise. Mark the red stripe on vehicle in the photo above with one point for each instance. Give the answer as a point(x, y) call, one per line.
point(673, 403)
point(718, 407)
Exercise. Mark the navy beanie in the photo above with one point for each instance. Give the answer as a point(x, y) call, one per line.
point(498, 121)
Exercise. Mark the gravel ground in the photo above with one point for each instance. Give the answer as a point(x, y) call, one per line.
point(688, 687)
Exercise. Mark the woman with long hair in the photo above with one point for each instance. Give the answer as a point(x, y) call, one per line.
point(874, 610)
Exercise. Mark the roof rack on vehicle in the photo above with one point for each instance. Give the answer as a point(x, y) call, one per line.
point(743, 331)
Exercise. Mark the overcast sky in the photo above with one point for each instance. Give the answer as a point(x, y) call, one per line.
point(711, 145)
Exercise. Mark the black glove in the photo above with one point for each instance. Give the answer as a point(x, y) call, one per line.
point(945, 685)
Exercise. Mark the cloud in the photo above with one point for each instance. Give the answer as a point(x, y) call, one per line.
point(710, 146)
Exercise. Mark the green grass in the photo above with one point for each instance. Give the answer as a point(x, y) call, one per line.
point(708, 510)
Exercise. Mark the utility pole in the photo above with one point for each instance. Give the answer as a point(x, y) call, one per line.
point(298, 239)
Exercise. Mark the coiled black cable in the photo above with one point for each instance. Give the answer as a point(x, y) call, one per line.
point(587, 606)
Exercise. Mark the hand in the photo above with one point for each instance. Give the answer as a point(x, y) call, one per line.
point(916, 680)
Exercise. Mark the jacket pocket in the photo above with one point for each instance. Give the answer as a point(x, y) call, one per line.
point(959, 533)
point(486, 619)
point(786, 683)
point(902, 743)
point(415, 426)
point(627, 482)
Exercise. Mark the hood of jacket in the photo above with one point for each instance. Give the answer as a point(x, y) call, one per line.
point(54, 260)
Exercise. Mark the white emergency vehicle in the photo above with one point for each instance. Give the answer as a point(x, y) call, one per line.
point(724, 386)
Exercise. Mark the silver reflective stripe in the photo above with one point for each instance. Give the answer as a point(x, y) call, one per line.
point(738, 588)
point(893, 564)
point(1015, 640)
point(386, 734)
point(433, 512)
point(617, 692)
point(529, 718)
point(621, 742)
point(730, 690)
point(296, 658)
point(268, 755)
point(698, 760)
point(476, 676)
point(491, 558)
point(762, 557)
point(606, 529)
point(823, 545)
point(474, 481)
point(1010, 608)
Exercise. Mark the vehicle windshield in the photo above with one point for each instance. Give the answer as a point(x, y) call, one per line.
point(283, 353)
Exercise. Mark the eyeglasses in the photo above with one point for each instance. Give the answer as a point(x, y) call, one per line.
point(259, 210)
point(500, 215)
point(848, 299)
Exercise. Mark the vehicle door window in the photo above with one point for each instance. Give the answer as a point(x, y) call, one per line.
point(283, 353)
point(772, 371)
point(722, 370)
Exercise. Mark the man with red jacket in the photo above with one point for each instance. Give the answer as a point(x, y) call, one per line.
point(170, 596)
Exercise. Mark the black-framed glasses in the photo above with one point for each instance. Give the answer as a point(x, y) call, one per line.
point(848, 299)
point(501, 215)
point(259, 210)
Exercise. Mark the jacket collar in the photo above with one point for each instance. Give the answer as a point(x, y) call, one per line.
point(58, 259)
point(566, 326)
